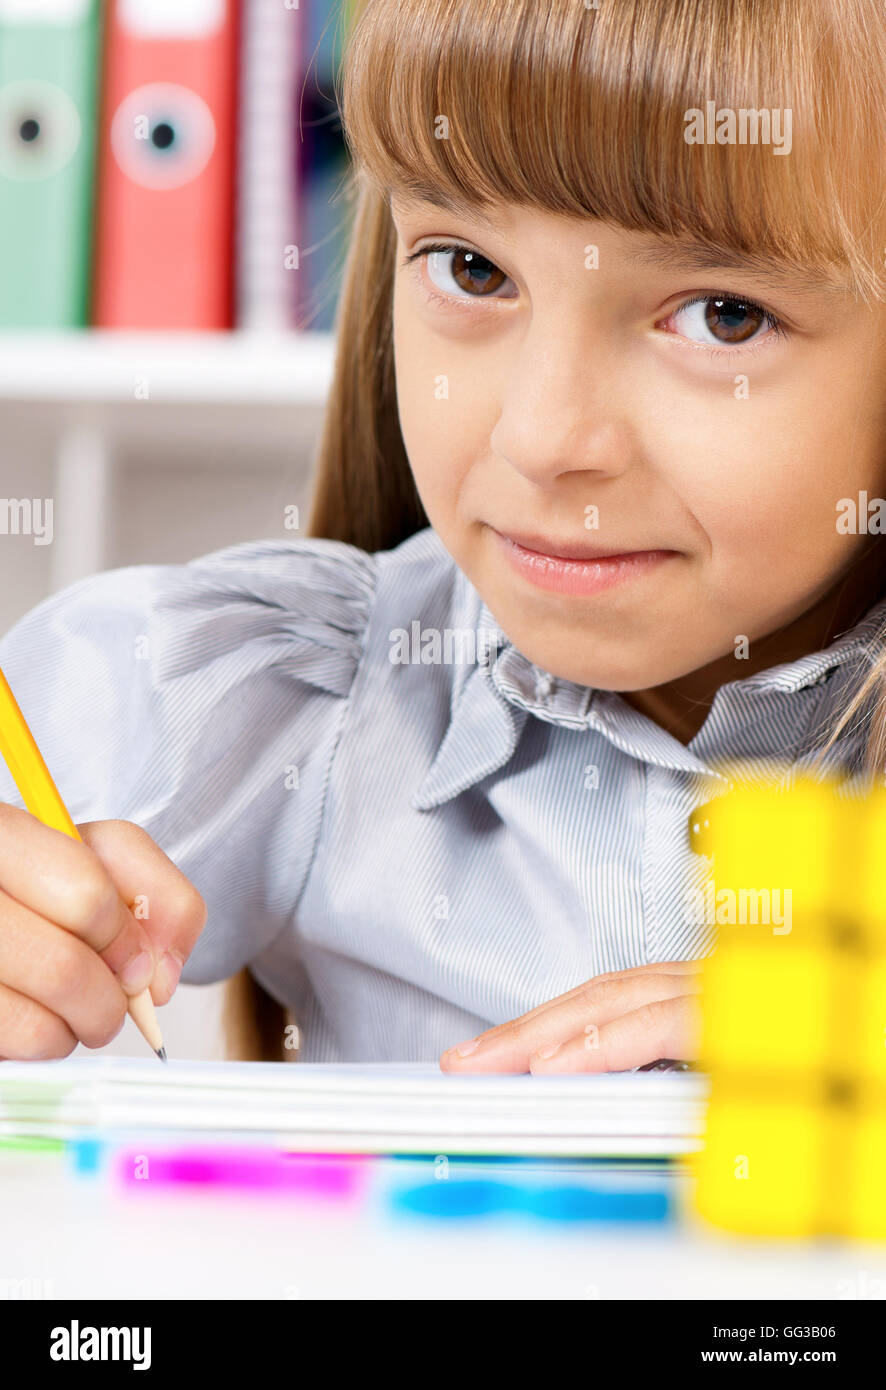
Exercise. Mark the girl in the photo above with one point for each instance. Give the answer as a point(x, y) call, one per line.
point(590, 528)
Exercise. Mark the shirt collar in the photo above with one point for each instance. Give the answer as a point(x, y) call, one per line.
point(492, 699)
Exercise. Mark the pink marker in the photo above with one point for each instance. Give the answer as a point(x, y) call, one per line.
point(332, 1176)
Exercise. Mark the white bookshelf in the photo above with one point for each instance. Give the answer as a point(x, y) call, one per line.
point(247, 368)
point(88, 395)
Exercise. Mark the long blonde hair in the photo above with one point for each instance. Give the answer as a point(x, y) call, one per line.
point(580, 108)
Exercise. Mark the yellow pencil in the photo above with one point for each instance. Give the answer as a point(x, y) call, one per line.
point(40, 795)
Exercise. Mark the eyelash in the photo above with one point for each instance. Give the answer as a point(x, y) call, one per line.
point(447, 300)
point(777, 326)
point(716, 354)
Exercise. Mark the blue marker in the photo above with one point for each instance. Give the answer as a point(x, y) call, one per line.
point(597, 1204)
point(86, 1154)
point(454, 1199)
point(560, 1202)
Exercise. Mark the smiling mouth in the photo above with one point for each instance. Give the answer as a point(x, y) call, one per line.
point(568, 550)
point(576, 569)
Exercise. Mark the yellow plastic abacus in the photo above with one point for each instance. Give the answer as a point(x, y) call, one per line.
point(794, 1014)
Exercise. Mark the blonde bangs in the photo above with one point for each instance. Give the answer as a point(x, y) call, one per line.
point(583, 112)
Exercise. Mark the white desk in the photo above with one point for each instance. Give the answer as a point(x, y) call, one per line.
point(76, 1235)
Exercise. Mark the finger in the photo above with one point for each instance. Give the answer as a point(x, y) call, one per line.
point(162, 898)
point(64, 881)
point(660, 1028)
point(510, 1046)
point(60, 972)
point(30, 1033)
point(673, 967)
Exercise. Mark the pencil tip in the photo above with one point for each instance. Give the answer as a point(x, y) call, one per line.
point(161, 1053)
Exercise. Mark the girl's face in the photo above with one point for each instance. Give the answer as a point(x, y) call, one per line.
point(578, 399)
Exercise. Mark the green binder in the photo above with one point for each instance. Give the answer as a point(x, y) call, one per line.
point(49, 69)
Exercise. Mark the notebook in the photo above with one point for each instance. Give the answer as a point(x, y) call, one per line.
point(354, 1108)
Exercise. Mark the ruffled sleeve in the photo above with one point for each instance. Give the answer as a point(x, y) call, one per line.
point(204, 702)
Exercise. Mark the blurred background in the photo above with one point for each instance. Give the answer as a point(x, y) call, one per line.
point(172, 230)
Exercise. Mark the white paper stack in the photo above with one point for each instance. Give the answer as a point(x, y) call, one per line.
point(411, 1108)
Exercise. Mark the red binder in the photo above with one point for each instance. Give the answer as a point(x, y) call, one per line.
point(165, 212)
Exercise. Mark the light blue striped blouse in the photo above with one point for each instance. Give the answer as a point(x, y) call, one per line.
point(410, 834)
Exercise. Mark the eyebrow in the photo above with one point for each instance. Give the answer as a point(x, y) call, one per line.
point(680, 256)
point(446, 202)
point(696, 256)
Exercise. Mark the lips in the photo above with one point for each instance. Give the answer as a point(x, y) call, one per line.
point(577, 570)
point(568, 550)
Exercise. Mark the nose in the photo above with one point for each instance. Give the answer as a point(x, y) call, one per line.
point(565, 407)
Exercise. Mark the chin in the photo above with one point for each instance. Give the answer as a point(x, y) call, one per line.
point(609, 670)
point(614, 678)
point(616, 675)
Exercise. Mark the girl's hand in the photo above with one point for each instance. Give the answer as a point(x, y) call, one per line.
point(611, 1023)
point(82, 927)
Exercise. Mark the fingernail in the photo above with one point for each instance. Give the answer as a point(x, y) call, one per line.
point(546, 1052)
point(466, 1048)
point(136, 974)
point(166, 976)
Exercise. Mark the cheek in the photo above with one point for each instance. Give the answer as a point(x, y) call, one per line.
point(440, 416)
point(417, 395)
point(763, 479)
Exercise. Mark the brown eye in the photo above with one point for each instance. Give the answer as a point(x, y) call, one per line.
point(732, 321)
point(723, 319)
point(473, 272)
point(458, 269)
